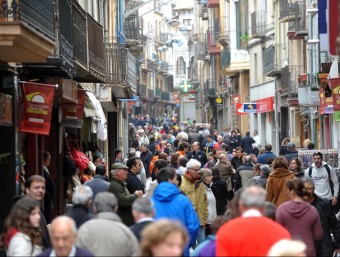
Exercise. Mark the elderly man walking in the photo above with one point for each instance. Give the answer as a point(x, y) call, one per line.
point(106, 235)
point(119, 174)
point(195, 191)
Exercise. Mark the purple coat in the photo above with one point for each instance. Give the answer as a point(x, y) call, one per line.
point(302, 221)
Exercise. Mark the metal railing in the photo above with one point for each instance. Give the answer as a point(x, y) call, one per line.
point(132, 29)
point(259, 24)
point(225, 58)
point(37, 13)
point(287, 9)
point(115, 59)
point(290, 80)
point(80, 52)
point(96, 46)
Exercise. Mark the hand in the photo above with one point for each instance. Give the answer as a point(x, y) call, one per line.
point(334, 200)
point(139, 193)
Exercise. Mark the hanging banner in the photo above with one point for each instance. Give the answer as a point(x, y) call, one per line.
point(335, 86)
point(36, 108)
point(72, 114)
point(239, 109)
point(236, 98)
point(265, 105)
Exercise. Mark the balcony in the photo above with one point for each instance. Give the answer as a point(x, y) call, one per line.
point(115, 60)
point(213, 4)
point(158, 93)
point(165, 96)
point(142, 90)
point(96, 50)
point(258, 24)
point(271, 66)
point(211, 41)
point(151, 95)
point(290, 81)
point(80, 53)
point(298, 26)
point(287, 10)
point(26, 30)
point(162, 38)
point(132, 28)
point(201, 50)
point(223, 37)
point(164, 67)
point(225, 58)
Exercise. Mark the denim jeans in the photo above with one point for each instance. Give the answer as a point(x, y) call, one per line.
point(200, 235)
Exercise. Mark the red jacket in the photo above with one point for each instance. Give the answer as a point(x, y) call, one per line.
point(249, 236)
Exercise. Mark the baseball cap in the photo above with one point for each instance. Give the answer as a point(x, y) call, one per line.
point(118, 165)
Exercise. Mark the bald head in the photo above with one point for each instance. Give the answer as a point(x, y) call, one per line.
point(63, 235)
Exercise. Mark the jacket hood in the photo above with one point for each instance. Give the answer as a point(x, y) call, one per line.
point(165, 192)
point(281, 172)
point(297, 209)
point(323, 164)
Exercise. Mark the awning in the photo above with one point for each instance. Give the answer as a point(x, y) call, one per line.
point(122, 91)
point(90, 110)
point(101, 123)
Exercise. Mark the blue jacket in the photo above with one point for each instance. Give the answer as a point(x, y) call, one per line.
point(263, 158)
point(170, 203)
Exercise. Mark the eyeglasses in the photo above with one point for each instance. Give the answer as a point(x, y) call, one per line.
point(195, 169)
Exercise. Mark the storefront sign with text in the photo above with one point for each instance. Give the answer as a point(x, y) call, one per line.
point(36, 108)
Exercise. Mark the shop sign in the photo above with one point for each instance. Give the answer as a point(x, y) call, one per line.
point(37, 108)
point(245, 108)
point(335, 85)
point(73, 113)
point(265, 105)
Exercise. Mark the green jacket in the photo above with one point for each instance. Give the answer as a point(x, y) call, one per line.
point(198, 197)
point(125, 200)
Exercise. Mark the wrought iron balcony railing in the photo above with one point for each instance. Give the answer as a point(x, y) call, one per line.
point(80, 53)
point(290, 80)
point(37, 13)
point(225, 58)
point(96, 48)
point(287, 10)
point(115, 58)
point(258, 24)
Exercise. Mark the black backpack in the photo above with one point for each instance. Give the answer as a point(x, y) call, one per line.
point(331, 184)
point(69, 166)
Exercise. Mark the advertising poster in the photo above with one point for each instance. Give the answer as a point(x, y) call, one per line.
point(73, 113)
point(5, 110)
point(36, 108)
point(335, 86)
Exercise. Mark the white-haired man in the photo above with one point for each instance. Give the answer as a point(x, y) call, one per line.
point(195, 191)
point(82, 200)
point(63, 234)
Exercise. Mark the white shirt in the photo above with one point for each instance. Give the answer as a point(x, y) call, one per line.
point(257, 143)
point(21, 245)
point(251, 213)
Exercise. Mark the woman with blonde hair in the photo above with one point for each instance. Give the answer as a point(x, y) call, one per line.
point(276, 182)
point(163, 238)
point(23, 236)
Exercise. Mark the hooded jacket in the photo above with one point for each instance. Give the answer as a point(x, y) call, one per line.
point(302, 221)
point(276, 186)
point(170, 203)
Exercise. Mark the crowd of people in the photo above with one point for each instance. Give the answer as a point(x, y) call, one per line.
point(185, 190)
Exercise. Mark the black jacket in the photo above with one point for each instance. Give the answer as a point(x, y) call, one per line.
point(199, 156)
point(290, 154)
point(138, 228)
point(329, 224)
point(80, 214)
point(233, 142)
point(219, 188)
point(247, 144)
point(133, 183)
point(237, 176)
point(146, 158)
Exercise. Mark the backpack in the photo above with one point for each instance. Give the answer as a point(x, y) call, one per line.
point(331, 184)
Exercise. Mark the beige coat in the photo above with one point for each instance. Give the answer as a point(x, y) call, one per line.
point(198, 197)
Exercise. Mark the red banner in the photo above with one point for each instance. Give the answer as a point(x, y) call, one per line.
point(75, 111)
point(239, 109)
point(335, 86)
point(236, 98)
point(37, 108)
point(265, 105)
